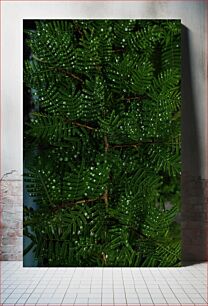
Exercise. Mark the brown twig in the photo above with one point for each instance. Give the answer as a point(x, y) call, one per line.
point(74, 76)
point(84, 125)
point(135, 145)
point(106, 144)
point(132, 98)
point(59, 69)
point(126, 145)
point(105, 197)
point(81, 125)
point(71, 204)
point(85, 201)
point(118, 50)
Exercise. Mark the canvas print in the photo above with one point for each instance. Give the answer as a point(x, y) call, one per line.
point(102, 143)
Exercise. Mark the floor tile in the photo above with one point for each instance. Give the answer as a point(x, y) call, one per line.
point(145, 300)
point(81, 301)
point(94, 301)
point(172, 300)
point(119, 300)
point(32, 300)
point(131, 295)
point(10, 301)
point(109, 286)
point(132, 300)
point(69, 299)
point(196, 298)
point(107, 300)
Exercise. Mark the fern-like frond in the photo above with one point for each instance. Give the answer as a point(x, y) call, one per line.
point(54, 130)
point(142, 77)
point(43, 185)
point(102, 143)
point(52, 46)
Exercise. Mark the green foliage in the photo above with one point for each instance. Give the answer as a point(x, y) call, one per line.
point(102, 146)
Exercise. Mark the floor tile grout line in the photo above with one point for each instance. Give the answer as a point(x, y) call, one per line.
point(135, 286)
point(147, 288)
point(172, 289)
point(4, 300)
point(36, 284)
point(114, 283)
point(186, 294)
point(69, 286)
point(201, 295)
point(158, 286)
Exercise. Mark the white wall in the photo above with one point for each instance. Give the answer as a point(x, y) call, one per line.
point(191, 13)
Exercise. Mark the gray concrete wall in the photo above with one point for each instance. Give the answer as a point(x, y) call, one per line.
point(194, 110)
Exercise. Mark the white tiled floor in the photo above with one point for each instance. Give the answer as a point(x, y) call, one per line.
point(103, 286)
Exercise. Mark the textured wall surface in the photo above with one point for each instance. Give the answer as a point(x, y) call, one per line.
point(194, 219)
point(11, 220)
point(194, 109)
